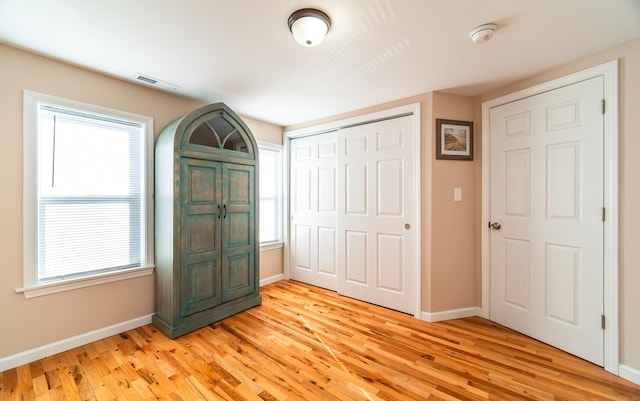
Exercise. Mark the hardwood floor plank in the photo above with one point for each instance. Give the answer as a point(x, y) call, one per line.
point(306, 343)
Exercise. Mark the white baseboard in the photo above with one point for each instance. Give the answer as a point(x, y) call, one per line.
point(44, 351)
point(629, 373)
point(450, 314)
point(272, 279)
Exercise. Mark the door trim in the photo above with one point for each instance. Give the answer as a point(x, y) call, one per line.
point(611, 269)
point(401, 111)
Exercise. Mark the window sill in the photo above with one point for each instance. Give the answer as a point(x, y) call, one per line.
point(271, 245)
point(68, 285)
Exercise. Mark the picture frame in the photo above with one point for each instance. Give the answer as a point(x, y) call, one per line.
point(454, 140)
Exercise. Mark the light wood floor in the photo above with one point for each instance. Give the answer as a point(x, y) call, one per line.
point(306, 343)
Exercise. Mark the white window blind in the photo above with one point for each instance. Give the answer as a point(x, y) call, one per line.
point(270, 193)
point(90, 199)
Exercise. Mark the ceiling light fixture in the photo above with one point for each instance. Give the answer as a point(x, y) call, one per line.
point(482, 33)
point(309, 26)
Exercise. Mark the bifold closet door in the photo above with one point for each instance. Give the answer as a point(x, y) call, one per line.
point(313, 237)
point(352, 225)
point(376, 225)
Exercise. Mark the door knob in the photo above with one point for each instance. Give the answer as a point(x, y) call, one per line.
point(495, 226)
point(407, 226)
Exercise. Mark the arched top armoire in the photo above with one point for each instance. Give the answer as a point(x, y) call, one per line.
point(206, 220)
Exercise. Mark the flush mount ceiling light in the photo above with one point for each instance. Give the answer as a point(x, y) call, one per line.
point(482, 33)
point(309, 26)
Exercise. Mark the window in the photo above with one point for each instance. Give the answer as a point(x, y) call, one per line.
point(87, 174)
point(270, 193)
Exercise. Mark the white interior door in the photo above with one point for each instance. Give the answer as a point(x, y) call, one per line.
point(376, 227)
point(547, 180)
point(313, 237)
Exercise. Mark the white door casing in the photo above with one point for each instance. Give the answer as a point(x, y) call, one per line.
point(386, 173)
point(556, 234)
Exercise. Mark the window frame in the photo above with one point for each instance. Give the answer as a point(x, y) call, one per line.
point(274, 147)
point(30, 285)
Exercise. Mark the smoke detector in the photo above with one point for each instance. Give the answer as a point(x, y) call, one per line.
point(482, 33)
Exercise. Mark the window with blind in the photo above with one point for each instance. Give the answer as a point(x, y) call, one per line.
point(89, 187)
point(270, 193)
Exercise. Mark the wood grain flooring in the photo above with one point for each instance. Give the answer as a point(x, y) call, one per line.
point(306, 343)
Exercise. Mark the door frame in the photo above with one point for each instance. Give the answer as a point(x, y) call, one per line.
point(410, 109)
point(609, 71)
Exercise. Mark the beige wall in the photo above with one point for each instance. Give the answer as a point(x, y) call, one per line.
point(31, 323)
point(629, 167)
point(453, 253)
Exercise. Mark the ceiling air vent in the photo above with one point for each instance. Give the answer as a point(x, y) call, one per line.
point(147, 79)
point(156, 82)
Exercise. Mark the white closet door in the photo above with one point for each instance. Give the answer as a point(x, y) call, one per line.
point(547, 196)
point(313, 238)
point(376, 227)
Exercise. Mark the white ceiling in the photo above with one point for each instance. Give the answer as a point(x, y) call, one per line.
point(241, 52)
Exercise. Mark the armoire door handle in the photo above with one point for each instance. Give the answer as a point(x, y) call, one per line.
point(225, 211)
point(219, 212)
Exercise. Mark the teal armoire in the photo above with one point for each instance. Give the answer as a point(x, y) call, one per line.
point(206, 220)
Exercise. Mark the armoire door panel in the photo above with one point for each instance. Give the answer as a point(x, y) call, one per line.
point(238, 188)
point(202, 185)
point(239, 231)
point(237, 277)
point(200, 282)
point(200, 286)
point(201, 233)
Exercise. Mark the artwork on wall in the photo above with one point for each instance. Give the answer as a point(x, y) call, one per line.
point(454, 140)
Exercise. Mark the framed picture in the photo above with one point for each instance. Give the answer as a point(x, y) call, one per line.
point(454, 140)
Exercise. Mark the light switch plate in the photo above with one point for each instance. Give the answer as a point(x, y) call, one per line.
point(457, 194)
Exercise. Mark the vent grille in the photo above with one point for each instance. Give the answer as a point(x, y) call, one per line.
point(147, 79)
point(156, 82)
